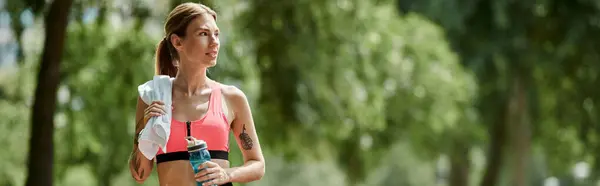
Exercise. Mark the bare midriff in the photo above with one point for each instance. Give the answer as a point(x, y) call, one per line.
point(180, 173)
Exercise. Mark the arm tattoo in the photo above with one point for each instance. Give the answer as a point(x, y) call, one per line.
point(245, 139)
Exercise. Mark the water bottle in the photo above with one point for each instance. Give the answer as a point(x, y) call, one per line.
point(198, 154)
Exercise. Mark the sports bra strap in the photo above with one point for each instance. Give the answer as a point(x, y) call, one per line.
point(215, 99)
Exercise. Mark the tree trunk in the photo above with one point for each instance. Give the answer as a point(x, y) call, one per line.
point(459, 165)
point(496, 149)
point(516, 118)
point(520, 132)
point(41, 155)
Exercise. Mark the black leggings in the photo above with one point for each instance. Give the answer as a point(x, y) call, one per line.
point(228, 184)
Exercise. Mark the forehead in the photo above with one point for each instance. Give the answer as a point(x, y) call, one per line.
point(203, 21)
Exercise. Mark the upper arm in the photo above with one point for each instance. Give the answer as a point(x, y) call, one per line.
point(242, 125)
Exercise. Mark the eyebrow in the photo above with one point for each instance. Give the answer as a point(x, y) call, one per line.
point(205, 29)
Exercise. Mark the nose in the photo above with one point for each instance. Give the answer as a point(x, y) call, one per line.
point(214, 40)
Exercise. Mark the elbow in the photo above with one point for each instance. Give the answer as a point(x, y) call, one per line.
point(254, 170)
point(260, 172)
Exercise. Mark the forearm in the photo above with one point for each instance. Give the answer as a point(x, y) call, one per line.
point(139, 125)
point(139, 166)
point(252, 170)
point(136, 161)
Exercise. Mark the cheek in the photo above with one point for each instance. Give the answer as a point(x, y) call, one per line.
point(194, 48)
point(202, 42)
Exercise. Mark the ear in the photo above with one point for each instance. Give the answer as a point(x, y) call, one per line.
point(176, 41)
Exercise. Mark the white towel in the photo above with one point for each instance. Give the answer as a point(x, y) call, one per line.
point(156, 132)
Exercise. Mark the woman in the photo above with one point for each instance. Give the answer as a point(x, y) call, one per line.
point(208, 109)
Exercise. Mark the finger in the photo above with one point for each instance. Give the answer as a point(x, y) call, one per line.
point(158, 102)
point(214, 181)
point(141, 172)
point(207, 171)
point(211, 178)
point(147, 111)
point(135, 175)
point(201, 173)
point(203, 178)
point(209, 183)
point(153, 105)
point(149, 115)
point(140, 179)
point(156, 110)
point(160, 109)
point(152, 112)
point(209, 164)
point(136, 167)
point(203, 165)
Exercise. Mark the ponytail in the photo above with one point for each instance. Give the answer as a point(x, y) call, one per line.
point(164, 59)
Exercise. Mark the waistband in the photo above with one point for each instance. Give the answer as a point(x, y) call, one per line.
point(184, 155)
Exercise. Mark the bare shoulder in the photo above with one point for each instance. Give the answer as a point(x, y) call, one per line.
point(234, 96)
point(231, 91)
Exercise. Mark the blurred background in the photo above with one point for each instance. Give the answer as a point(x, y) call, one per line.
point(343, 92)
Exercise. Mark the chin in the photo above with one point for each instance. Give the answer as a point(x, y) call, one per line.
point(211, 63)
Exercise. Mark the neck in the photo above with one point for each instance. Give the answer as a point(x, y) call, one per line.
point(191, 80)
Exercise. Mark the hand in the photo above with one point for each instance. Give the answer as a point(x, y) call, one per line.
point(139, 166)
point(212, 172)
point(156, 108)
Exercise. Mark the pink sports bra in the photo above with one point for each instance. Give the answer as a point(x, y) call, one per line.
point(212, 128)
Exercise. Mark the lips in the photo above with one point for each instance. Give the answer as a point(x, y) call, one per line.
point(212, 54)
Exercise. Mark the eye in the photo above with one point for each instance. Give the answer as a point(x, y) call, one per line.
point(203, 34)
point(216, 33)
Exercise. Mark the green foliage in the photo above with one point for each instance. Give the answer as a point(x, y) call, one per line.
point(348, 89)
point(355, 85)
point(15, 117)
point(404, 168)
point(110, 69)
point(551, 45)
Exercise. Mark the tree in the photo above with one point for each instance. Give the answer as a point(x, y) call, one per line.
point(349, 77)
point(520, 51)
point(41, 148)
